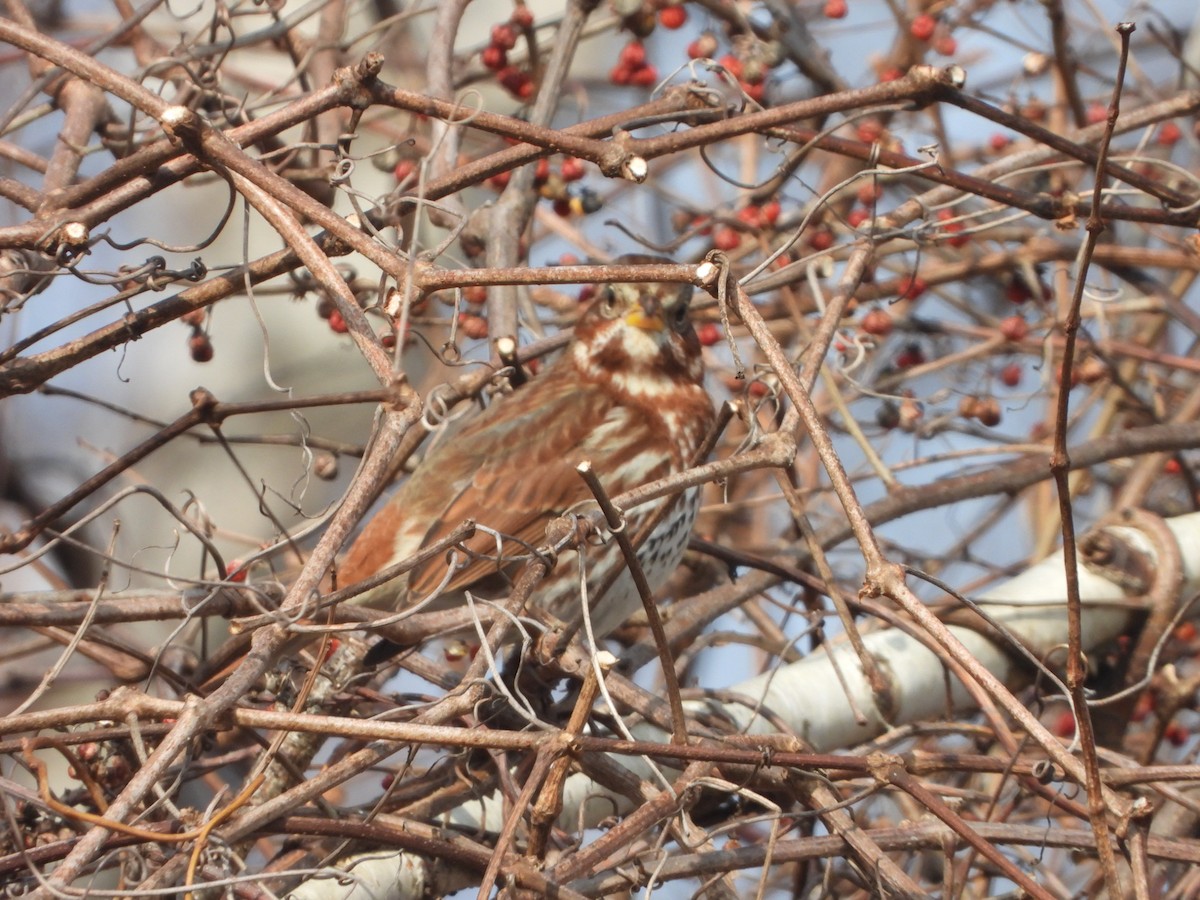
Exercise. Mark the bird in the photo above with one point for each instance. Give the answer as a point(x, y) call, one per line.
point(627, 395)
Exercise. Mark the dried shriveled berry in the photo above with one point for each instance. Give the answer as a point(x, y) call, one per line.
point(200, 347)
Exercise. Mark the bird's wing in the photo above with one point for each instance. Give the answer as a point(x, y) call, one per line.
point(515, 471)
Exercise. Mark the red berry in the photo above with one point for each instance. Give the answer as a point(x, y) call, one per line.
point(521, 17)
point(911, 287)
point(869, 192)
point(404, 170)
point(633, 54)
point(514, 80)
point(709, 333)
point(835, 9)
point(672, 17)
point(542, 172)
point(236, 571)
point(475, 294)
point(923, 27)
point(755, 91)
point(857, 216)
point(1176, 735)
point(891, 73)
point(726, 238)
point(999, 142)
point(820, 239)
point(571, 169)
point(1064, 725)
point(1014, 328)
point(945, 45)
point(1096, 113)
point(1172, 467)
point(770, 211)
point(732, 65)
point(493, 57)
point(473, 326)
point(337, 324)
point(646, 76)
point(499, 181)
point(562, 206)
point(751, 215)
point(1168, 134)
point(877, 322)
point(620, 75)
point(869, 131)
point(1010, 375)
point(952, 229)
point(504, 36)
point(1185, 632)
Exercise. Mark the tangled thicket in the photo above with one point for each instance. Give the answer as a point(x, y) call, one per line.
point(950, 252)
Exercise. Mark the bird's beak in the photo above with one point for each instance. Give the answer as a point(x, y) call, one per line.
point(646, 315)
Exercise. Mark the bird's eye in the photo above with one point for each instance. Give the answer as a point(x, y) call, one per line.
point(680, 316)
point(608, 302)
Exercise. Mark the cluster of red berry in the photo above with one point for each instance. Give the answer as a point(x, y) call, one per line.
point(471, 321)
point(494, 56)
point(327, 310)
point(953, 230)
point(640, 19)
point(752, 217)
point(910, 287)
point(926, 28)
point(554, 185)
point(751, 75)
point(632, 68)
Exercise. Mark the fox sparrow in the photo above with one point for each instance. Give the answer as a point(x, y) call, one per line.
point(627, 395)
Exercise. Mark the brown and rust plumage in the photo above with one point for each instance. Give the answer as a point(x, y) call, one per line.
point(627, 395)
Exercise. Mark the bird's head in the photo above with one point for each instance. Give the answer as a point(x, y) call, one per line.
point(640, 333)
